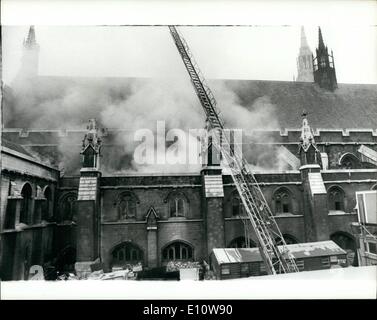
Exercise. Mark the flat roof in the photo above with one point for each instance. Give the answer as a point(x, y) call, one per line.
point(299, 250)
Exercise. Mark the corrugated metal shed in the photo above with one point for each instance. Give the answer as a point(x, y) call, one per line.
point(299, 250)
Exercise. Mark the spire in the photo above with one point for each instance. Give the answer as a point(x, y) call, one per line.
point(30, 41)
point(304, 42)
point(91, 146)
point(91, 137)
point(304, 61)
point(307, 137)
point(321, 44)
point(324, 69)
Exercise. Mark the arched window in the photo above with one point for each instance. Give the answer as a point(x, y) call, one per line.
point(126, 253)
point(349, 161)
point(374, 187)
point(47, 205)
point(282, 201)
point(68, 207)
point(178, 204)
point(177, 251)
point(126, 206)
point(26, 194)
point(237, 208)
point(240, 242)
point(89, 158)
point(287, 238)
point(336, 199)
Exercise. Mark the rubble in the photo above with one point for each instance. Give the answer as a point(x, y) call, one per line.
point(176, 265)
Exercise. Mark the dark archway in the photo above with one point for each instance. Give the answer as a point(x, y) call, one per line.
point(26, 203)
point(346, 242)
point(289, 239)
point(65, 260)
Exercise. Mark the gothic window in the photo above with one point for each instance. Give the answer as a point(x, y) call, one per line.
point(283, 201)
point(349, 161)
point(126, 253)
point(126, 206)
point(68, 208)
point(26, 194)
point(177, 251)
point(237, 206)
point(177, 205)
point(336, 199)
point(89, 158)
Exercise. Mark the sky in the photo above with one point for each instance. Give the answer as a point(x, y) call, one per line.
point(241, 52)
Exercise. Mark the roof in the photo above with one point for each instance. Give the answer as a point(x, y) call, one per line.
point(299, 250)
point(15, 147)
point(349, 106)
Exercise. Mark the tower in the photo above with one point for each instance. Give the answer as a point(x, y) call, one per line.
point(323, 66)
point(88, 217)
point(304, 61)
point(30, 57)
point(213, 190)
point(313, 187)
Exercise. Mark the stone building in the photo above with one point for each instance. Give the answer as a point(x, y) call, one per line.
point(84, 213)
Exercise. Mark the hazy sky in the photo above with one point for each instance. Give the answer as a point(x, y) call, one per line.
point(261, 52)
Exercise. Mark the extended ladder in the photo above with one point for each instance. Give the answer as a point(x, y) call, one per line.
point(277, 259)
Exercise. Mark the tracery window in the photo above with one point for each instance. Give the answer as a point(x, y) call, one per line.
point(283, 201)
point(336, 199)
point(177, 251)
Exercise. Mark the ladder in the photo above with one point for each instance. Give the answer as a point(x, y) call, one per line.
point(277, 259)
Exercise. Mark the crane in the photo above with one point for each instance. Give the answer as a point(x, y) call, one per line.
point(277, 259)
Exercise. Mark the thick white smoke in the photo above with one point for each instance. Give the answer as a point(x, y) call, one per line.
point(132, 104)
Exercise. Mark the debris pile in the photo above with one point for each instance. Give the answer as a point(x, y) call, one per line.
point(176, 265)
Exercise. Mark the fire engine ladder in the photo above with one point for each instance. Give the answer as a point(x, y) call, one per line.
point(277, 259)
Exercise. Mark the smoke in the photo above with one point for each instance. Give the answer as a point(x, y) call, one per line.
point(132, 104)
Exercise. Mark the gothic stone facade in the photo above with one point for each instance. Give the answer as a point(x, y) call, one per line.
point(157, 218)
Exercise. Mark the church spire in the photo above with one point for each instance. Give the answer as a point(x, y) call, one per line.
point(321, 44)
point(304, 61)
point(323, 66)
point(304, 42)
point(30, 41)
point(30, 57)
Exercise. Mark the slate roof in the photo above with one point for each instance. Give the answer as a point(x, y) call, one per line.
point(15, 147)
point(349, 106)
